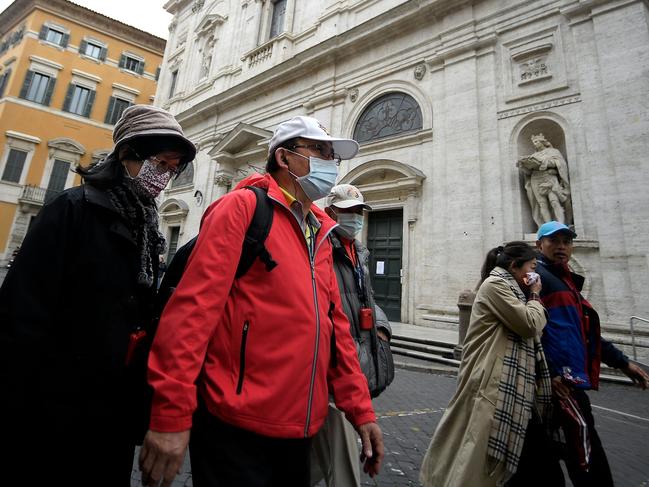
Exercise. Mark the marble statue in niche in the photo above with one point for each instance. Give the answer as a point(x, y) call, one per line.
point(546, 182)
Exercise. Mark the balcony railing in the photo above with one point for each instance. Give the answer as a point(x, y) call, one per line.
point(36, 196)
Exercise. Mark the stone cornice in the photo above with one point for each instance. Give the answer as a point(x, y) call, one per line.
point(357, 38)
point(62, 8)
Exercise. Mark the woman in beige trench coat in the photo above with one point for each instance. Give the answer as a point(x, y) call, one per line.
point(459, 453)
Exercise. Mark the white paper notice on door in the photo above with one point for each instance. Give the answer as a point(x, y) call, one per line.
point(380, 267)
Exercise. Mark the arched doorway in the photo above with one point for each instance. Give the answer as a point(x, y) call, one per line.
point(393, 190)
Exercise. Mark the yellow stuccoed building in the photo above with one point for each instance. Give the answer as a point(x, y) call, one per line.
point(66, 75)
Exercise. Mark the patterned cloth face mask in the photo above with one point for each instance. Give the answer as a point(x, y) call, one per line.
point(153, 177)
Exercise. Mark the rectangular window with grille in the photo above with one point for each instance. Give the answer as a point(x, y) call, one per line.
point(14, 166)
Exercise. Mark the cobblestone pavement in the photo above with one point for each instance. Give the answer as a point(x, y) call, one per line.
point(413, 405)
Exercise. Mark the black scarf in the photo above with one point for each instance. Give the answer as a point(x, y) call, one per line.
point(141, 215)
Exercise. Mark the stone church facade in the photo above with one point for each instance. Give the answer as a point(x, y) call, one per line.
point(444, 97)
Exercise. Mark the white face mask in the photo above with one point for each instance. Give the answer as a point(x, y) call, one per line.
point(321, 178)
point(350, 224)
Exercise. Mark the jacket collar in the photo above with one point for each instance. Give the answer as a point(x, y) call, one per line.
point(268, 183)
point(98, 197)
point(561, 271)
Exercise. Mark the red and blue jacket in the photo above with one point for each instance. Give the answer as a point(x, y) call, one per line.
point(571, 340)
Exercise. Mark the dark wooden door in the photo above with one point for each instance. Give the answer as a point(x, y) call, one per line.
point(384, 240)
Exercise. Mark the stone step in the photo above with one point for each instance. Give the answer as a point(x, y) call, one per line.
point(423, 346)
point(431, 357)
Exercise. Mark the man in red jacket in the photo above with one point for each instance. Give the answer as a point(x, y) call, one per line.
point(247, 363)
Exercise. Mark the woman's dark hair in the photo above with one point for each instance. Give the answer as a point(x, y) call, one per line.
point(110, 171)
point(512, 254)
point(271, 163)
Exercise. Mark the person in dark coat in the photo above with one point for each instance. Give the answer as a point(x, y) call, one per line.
point(75, 310)
point(334, 450)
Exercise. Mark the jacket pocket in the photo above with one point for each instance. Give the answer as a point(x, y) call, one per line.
point(242, 356)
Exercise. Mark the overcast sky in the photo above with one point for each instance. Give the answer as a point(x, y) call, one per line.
point(147, 15)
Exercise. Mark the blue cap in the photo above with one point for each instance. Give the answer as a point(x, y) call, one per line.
point(550, 228)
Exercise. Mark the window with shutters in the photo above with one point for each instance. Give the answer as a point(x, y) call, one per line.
point(131, 63)
point(277, 19)
point(37, 87)
point(79, 100)
point(4, 81)
point(54, 35)
point(92, 50)
point(58, 177)
point(14, 166)
point(115, 108)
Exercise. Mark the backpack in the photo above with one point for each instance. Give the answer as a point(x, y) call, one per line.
point(253, 247)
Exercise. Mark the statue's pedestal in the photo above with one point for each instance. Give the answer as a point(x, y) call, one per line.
point(464, 304)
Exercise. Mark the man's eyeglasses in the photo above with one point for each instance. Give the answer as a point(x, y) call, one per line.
point(325, 151)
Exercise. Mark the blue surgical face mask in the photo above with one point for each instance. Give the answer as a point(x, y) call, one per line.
point(321, 178)
point(349, 224)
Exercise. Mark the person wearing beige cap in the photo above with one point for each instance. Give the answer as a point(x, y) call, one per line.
point(242, 366)
point(75, 310)
point(334, 454)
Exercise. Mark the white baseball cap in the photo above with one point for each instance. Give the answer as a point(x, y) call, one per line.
point(310, 128)
point(346, 196)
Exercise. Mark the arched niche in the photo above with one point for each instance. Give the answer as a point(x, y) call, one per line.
point(551, 184)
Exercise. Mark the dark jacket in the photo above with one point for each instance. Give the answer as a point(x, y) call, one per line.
point(571, 340)
point(371, 349)
point(67, 308)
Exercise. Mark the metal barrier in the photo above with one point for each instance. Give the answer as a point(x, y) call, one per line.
point(635, 356)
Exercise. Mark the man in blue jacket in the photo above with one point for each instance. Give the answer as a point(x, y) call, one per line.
point(574, 347)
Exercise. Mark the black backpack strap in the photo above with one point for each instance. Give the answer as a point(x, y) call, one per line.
point(253, 244)
point(173, 274)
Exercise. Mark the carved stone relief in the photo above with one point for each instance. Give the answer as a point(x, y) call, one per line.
point(419, 72)
point(389, 115)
